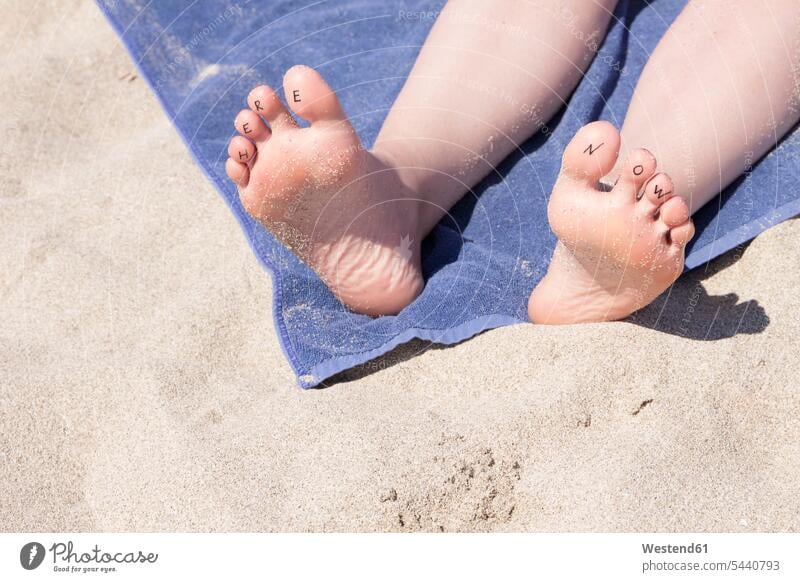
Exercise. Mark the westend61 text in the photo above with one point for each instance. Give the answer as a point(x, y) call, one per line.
point(670, 549)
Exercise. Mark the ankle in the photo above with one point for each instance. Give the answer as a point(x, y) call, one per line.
point(401, 177)
point(406, 169)
point(425, 177)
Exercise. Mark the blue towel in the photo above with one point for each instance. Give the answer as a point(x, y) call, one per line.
point(203, 57)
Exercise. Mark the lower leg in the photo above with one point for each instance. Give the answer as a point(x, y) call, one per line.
point(489, 75)
point(719, 91)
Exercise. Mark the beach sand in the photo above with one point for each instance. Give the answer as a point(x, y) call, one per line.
point(142, 386)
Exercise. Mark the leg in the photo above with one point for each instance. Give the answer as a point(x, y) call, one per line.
point(483, 82)
point(719, 91)
point(728, 73)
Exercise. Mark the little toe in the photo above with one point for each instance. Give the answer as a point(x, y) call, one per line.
point(638, 168)
point(592, 153)
point(657, 191)
point(310, 97)
point(238, 173)
point(674, 212)
point(265, 102)
point(251, 126)
point(682, 234)
point(241, 150)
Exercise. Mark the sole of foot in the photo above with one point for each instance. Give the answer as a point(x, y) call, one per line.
point(617, 250)
point(342, 209)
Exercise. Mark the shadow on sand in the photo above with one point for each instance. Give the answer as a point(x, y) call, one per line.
point(686, 310)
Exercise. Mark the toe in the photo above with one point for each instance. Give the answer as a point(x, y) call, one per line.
point(265, 102)
point(310, 97)
point(592, 153)
point(638, 168)
point(657, 192)
point(251, 126)
point(674, 212)
point(242, 150)
point(682, 234)
point(237, 172)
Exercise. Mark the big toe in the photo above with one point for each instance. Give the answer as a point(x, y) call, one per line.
point(592, 153)
point(310, 97)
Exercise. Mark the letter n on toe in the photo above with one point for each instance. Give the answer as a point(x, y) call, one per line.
point(590, 149)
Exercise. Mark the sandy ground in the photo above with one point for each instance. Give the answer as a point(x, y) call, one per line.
point(142, 386)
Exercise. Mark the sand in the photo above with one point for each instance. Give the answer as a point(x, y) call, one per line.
point(142, 386)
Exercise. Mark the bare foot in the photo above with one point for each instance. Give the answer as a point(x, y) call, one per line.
point(343, 210)
point(617, 250)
